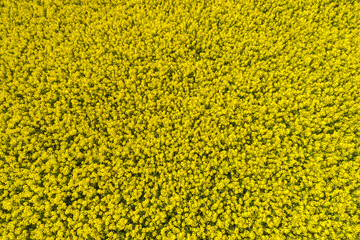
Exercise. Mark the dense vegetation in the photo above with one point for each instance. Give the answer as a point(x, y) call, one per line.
point(183, 119)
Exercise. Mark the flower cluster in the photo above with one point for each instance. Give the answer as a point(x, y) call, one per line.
point(179, 119)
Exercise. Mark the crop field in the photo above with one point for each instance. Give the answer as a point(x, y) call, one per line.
point(179, 119)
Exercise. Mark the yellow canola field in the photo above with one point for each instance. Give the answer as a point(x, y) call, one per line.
point(179, 119)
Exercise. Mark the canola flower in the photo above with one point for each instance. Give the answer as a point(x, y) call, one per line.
point(178, 119)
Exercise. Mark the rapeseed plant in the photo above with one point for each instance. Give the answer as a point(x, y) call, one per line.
point(179, 119)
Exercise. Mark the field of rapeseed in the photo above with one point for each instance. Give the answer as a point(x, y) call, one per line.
point(179, 119)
